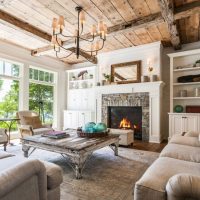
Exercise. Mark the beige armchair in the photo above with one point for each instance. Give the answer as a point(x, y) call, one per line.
point(30, 124)
point(3, 138)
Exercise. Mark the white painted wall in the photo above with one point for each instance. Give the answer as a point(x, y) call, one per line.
point(17, 54)
point(144, 52)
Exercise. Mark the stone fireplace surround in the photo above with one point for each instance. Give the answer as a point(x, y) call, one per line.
point(154, 93)
point(128, 99)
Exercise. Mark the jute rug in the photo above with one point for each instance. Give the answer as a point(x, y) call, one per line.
point(106, 177)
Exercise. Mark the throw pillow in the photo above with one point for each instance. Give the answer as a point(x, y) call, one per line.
point(34, 121)
point(192, 134)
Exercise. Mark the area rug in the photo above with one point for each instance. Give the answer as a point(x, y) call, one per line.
point(105, 177)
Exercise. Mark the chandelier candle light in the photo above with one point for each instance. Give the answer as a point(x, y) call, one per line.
point(58, 26)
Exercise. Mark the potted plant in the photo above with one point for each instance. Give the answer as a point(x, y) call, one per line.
point(107, 78)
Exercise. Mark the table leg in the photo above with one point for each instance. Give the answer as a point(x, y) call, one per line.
point(114, 147)
point(77, 163)
point(78, 171)
point(25, 149)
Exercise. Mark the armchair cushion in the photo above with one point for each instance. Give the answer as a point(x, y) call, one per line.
point(3, 136)
point(183, 186)
point(34, 121)
point(39, 131)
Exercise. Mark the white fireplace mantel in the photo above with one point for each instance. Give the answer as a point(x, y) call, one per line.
point(155, 103)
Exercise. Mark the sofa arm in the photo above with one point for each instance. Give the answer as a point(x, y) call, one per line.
point(183, 186)
point(14, 177)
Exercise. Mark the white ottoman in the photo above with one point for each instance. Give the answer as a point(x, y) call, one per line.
point(126, 136)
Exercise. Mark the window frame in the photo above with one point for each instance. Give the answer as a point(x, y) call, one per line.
point(14, 78)
point(53, 84)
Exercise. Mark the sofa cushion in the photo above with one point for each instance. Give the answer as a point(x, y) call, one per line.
point(181, 152)
point(192, 134)
point(153, 182)
point(54, 175)
point(4, 154)
point(185, 140)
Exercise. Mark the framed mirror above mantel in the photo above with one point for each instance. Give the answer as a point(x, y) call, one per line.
point(129, 72)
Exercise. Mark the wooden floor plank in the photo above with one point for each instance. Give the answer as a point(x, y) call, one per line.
point(147, 146)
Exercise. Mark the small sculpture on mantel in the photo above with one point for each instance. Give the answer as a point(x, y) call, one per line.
point(82, 73)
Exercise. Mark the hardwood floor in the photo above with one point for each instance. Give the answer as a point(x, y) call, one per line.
point(146, 146)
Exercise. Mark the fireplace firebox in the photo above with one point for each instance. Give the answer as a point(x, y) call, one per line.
point(126, 117)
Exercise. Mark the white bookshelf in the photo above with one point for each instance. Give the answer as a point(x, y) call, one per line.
point(182, 64)
point(84, 82)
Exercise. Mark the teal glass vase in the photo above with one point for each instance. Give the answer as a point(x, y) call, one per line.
point(100, 127)
point(89, 127)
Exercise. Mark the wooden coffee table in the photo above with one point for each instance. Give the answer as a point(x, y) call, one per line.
point(77, 149)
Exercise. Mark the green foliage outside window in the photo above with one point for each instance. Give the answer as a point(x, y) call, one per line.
point(9, 103)
point(41, 101)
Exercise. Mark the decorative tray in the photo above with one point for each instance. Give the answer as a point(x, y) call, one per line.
point(92, 135)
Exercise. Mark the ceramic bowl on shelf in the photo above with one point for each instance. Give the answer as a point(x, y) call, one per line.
point(178, 109)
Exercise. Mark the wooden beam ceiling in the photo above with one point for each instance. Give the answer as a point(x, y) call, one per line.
point(24, 26)
point(135, 24)
point(35, 31)
point(167, 10)
point(144, 22)
point(187, 10)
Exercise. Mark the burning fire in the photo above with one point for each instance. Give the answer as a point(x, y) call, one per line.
point(125, 124)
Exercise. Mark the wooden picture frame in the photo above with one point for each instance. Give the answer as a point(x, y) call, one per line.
point(136, 68)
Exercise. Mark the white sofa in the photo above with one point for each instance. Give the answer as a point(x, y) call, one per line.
point(175, 175)
point(23, 179)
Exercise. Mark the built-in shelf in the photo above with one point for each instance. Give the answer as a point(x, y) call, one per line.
point(190, 83)
point(182, 98)
point(82, 80)
point(187, 69)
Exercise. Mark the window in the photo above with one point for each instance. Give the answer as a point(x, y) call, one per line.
point(9, 90)
point(41, 93)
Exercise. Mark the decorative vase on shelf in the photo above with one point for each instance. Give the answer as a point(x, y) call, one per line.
point(178, 109)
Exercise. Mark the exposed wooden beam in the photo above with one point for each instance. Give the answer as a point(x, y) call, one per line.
point(87, 56)
point(24, 26)
point(187, 10)
point(167, 10)
point(35, 31)
point(180, 12)
point(117, 29)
